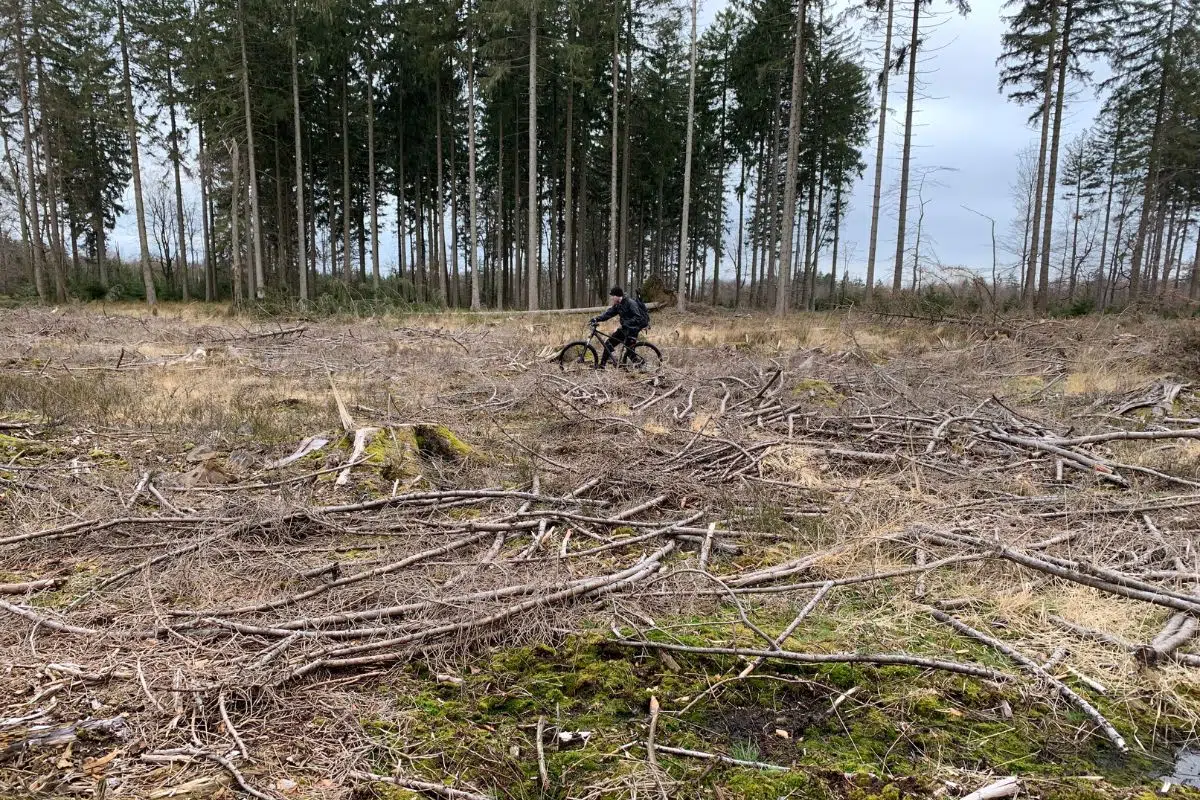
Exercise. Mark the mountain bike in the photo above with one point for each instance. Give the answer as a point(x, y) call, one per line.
point(643, 356)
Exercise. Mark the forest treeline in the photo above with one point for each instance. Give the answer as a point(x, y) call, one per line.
point(530, 153)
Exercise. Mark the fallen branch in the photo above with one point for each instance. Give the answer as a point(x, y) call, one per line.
point(679, 751)
point(875, 659)
point(418, 786)
point(1034, 668)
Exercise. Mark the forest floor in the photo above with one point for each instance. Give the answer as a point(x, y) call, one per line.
point(834, 556)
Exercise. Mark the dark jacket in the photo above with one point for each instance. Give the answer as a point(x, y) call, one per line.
point(631, 317)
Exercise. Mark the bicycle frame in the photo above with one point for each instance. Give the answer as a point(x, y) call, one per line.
point(603, 338)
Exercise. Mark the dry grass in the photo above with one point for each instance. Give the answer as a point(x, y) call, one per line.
point(114, 396)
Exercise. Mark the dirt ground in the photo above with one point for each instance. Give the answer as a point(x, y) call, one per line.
point(834, 556)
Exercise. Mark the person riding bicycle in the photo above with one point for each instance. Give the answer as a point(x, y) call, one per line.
point(633, 320)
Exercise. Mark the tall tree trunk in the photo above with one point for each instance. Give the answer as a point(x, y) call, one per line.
point(1153, 160)
point(421, 257)
point(737, 264)
point(1047, 92)
point(1112, 182)
point(455, 284)
point(773, 226)
point(883, 102)
point(783, 296)
point(1043, 294)
point(626, 157)
point(476, 301)
point(612, 202)
point(532, 251)
point(347, 268)
point(235, 241)
point(134, 164)
point(719, 246)
point(371, 196)
point(210, 275)
point(501, 245)
point(681, 281)
point(837, 235)
point(401, 207)
point(301, 229)
point(252, 176)
point(906, 158)
point(756, 227)
point(570, 263)
point(1074, 245)
point(50, 157)
point(440, 217)
point(176, 158)
point(585, 243)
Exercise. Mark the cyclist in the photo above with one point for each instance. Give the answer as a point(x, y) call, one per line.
point(633, 320)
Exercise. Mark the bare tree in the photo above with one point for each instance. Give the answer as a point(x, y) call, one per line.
point(301, 238)
point(884, 74)
point(533, 226)
point(783, 295)
point(252, 175)
point(135, 166)
point(681, 279)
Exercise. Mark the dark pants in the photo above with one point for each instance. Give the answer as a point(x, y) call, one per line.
point(623, 334)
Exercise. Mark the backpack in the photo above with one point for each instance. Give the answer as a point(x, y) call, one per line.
point(643, 312)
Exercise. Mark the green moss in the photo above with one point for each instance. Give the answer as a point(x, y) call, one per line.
point(13, 446)
point(438, 440)
point(396, 452)
point(105, 458)
point(901, 722)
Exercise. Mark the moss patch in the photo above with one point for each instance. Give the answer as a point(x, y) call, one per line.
point(902, 723)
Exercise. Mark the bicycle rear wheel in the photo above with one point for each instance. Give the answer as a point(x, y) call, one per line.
point(644, 357)
point(578, 356)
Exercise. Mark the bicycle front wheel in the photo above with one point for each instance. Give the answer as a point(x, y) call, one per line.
point(578, 356)
point(645, 357)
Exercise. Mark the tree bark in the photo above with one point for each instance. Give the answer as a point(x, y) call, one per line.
point(883, 101)
point(612, 202)
point(301, 229)
point(51, 194)
point(210, 276)
point(1101, 293)
point(371, 173)
point(906, 158)
point(347, 268)
point(737, 263)
point(1043, 294)
point(476, 282)
point(1047, 91)
point(439, 218)
point(235, 242)
point(626, 157)
point(532, 251)
point(134, 164)
point(176, 158)
point(681, 279)
point(252, 176)
point(568, 248)
point(783, 296)
point(1152, 166)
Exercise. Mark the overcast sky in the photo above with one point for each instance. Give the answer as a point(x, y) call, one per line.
point(966, 138)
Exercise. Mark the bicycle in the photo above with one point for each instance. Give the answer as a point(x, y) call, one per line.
point(580, 354)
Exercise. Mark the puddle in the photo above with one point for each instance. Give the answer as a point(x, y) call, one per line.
point(1187, 769)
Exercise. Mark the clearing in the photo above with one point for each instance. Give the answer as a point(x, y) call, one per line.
point(834, 556)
